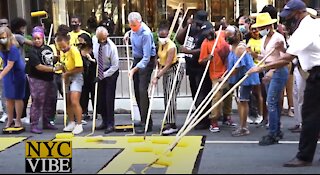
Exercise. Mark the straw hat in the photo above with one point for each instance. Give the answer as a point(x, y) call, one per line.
point(263, 19)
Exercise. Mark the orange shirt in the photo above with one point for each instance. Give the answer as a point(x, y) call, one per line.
point(217, 67)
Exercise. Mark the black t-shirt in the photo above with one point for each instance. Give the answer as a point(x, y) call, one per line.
point(44, 56)
point(89, 70)
point(195, 39)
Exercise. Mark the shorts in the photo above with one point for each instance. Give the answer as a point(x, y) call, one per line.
point(245, 92)
point(76, 83)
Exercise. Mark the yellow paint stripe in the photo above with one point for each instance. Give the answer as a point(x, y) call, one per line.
point(6, 142)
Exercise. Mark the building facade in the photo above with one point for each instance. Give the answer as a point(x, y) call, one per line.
point(152, 11)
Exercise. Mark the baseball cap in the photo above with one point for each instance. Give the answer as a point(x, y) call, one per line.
point(291, 6)
point(201, 16)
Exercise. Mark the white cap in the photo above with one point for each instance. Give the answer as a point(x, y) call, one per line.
point(231, 29)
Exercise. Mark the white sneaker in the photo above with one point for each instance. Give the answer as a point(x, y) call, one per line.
point(83, 122)
point(170, 131)
point(78, 129)
point(291, 112)
point(3, 118)
point(249, 120)
point(70, 127)
point(258, 120)
point(26, 120)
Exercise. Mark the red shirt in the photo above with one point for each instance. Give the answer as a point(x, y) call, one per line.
point(217, 66)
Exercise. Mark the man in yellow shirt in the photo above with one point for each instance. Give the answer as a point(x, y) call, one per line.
point(76, 30)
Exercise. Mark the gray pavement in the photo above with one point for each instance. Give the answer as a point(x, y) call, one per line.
point(219, 156)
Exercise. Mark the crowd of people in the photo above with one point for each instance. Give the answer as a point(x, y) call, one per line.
point(79, 60)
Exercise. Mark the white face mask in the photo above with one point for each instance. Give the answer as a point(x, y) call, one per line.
point(4, 41)
point(243, 29)
point(163, 41)
point(264, 32)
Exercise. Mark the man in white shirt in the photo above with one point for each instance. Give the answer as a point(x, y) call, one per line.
point(106, 55)
point(304, 44)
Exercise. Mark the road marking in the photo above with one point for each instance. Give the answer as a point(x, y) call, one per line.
point(249, 142)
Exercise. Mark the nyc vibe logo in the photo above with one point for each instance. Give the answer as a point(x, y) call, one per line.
point(48, 157)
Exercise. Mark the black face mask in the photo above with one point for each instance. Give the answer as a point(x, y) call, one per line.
point(291, 24)
point(102, 43)
point(81, 46)
point(211, 35)
point(74, 26)
point(194, 29)
point(230, 40)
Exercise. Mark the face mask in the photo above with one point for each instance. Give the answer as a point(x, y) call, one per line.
point(230, 40)
point(103, 43)
point(65, 50)
point(264, 32)
point(243, 29)
point(291, 25)
point(211, 36)
point(74, 26)
point(163, 41)
point(135, 28)
point(4, 41)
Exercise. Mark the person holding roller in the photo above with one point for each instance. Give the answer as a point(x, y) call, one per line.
point(167, 54)
point(275, 79)
point(217, 68)
point(42, 89)
point(234, 38)
point(304, 44)
point(143, 52)
point(71, 59)
point(106, 55)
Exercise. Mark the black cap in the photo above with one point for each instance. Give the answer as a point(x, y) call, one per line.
point(201, 16)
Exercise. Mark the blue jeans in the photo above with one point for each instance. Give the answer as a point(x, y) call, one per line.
point(274, 92)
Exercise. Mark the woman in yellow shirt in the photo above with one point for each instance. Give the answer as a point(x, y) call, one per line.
point(72, 75)
point(168, 63)
point(254, 45)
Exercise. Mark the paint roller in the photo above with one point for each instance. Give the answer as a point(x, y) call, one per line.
point(135, 139)
point(151, 103)
point(99, 138)
point(64, 136)
point(42, 14)
point(94, 139)
point(39, 13)
point(134, 113)
point(162, 161)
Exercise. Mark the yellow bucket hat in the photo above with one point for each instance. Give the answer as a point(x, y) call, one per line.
point(263, 19)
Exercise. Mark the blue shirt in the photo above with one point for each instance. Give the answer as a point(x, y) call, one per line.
point(245, 64)
point(143, 45)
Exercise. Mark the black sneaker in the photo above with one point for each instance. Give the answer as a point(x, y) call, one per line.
point(279, 135)
point(268, 140)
